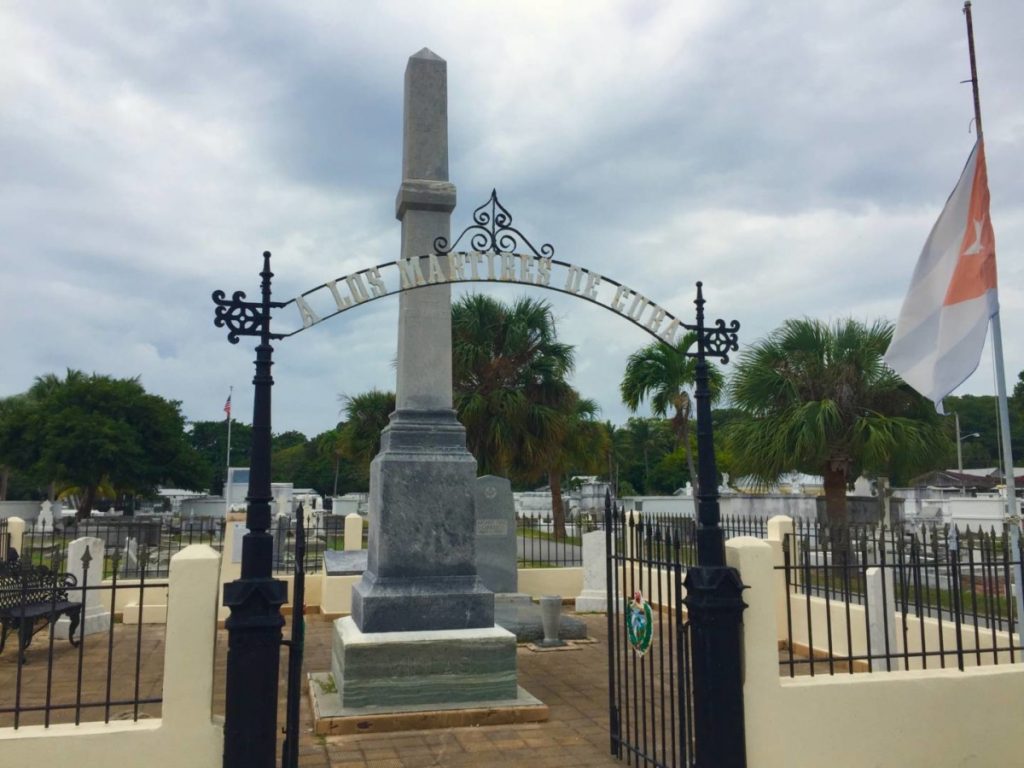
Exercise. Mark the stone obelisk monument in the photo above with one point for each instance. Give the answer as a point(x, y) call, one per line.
point(422, 625)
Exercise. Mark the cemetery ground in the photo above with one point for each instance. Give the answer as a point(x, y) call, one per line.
point(572, 683)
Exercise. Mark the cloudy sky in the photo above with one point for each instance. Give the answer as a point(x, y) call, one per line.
point(792, 155)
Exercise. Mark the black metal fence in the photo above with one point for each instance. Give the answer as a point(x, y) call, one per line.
point(65, 662)
point(874, 598)
point(684, 528)
point(540, 545)
point(649, 687)
point(152, 542)
point(5, 540)
point(131, 544)
point(323, 532)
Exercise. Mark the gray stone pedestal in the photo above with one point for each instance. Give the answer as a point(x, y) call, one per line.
point(400, 669)
point(421, 562)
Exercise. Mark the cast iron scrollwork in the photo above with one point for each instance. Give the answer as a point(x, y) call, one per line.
point(721, 339)
point(492, 230)
point(247, 318)
point(243, 318)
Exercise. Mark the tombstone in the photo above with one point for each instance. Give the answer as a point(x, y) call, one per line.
point(130, 558)
point(44, 522)
point(282, 505)
point(95, 616)
point(881, 616)
point(311, 519)
point(594, 597)
point(353, 532)
point(279, 530)
point(496, 534)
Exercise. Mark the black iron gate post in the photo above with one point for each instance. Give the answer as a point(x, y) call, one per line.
point(255, 599)
point(296, 647)
point(714, 591)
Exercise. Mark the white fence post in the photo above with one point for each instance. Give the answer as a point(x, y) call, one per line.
point(881, 616)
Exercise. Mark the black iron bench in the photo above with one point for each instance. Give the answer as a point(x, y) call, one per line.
point(31, 599)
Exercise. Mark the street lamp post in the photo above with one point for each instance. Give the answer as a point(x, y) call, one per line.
point(960, 453)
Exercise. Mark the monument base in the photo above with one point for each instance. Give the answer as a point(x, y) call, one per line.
point(385, 606)
point(437, 667)
point(332, 719)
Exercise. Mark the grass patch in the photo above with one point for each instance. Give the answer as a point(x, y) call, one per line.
point(328, 685)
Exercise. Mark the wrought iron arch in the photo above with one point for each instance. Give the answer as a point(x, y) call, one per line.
point(491, 236)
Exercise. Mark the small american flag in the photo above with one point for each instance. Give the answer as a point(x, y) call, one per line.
point(227, 406)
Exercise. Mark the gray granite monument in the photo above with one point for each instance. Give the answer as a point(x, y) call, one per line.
point(422, 626)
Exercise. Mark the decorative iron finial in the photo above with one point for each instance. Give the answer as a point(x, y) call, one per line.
point(718, 340)
point(492, 230)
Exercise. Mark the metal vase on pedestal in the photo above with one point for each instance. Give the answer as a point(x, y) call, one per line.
point(551, 618)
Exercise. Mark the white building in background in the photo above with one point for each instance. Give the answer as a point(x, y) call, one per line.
point(237, 488)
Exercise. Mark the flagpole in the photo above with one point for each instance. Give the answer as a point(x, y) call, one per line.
point(1012, 505)
point(227, 469)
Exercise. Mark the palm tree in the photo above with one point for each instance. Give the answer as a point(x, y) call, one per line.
point(664, 374)
point(817, 398)
point(509, 384)
point(510, 389)
point(366, 415)
point(581, 447)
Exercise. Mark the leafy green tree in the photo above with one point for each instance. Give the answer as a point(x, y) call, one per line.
point(817, 398)
point(649, 440)
point(209, 439)
point(664, 375)
point(980, 414)
point(9, 407)
point(366, 415)
point(616, 445)
point(289, 439)
point(90, 431)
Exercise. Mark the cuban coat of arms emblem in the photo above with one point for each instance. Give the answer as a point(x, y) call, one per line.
point(639, 625)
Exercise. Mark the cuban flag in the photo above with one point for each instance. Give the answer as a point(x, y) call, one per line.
point(942, 326)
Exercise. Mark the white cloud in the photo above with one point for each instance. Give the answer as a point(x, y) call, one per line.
point(792, 156)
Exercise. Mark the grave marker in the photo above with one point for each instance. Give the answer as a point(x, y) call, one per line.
point(496, 534)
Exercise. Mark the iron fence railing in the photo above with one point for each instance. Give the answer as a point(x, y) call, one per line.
point(540, 544)
point(323, 532)
point(870, 598)
point(89, 664)
point(136, 543)
point(684, 527)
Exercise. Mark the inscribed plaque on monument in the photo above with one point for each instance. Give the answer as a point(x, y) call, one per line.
point(492, 527)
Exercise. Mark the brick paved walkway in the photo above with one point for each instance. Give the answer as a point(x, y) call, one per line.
point(572, 683)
